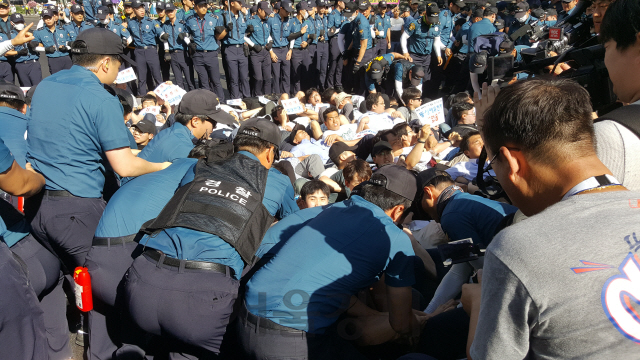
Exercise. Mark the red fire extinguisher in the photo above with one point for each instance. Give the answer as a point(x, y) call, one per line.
point(82, 280)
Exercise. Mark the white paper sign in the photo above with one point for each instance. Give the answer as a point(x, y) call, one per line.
point(170, 93)
point(431, 113)
point(234, 102)
point(356, 100)
point(263, 100)
point(125, 76)
point(292, 106)
point(155, 110)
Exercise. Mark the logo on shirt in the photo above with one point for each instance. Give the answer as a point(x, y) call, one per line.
point(412, 26)
point(146, 27)
point(621, 298)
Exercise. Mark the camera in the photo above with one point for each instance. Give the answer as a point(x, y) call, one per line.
point(459, 251)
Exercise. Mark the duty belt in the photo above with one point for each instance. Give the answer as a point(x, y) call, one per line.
point(58, 193)
point(109, 241)
point(265, 323)
point(204, 51)
point(155, 255)
point(146, 47)
point(232, 45)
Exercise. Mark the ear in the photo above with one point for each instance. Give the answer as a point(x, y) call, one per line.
point(396, 212)
point(24, 109)
point(517, 166)
point(195, 121)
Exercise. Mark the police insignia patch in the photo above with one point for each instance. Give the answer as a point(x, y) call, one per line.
point(157, 25)
point(412, 26)
point(361, 31)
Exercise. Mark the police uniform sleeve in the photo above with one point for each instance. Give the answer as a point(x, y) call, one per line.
point(458, 230)
point(399, 271)
point(111, 130)
point(157, 29)
point(398, 76)
point(6, 158)
point(411, 28)
point(287, 203)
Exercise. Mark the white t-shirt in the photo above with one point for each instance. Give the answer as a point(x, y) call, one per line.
point(378, 122)
point(347, 132)
point(423, 164)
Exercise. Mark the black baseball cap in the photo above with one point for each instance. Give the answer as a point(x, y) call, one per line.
point(522, 7)
point(478, 13)
point(204, 102)
point(126, 3)
point(75, 8)
point(265, 6)
point(459, 3)
point(160, 5)
point(417, 74)
point(478, 62)
point(566, 1)
point(396, 179)
point(147, 124)
point(380, 146)
point(262, 128)
point(551, 12)
point(425, 177)
point(4, 2)
point(46, 13)
point(294, 132)
point(169, 6)
point(415, 2)
point(101, 42)
point(363, 4)
point(538, 13)
point(506, 47)
point(241, 2)
point(433, 13)
point(302, 5)
point(17, 18)
point(375, 70)
point(382, 4)
point(198, 2)
point(337, 149)
point(102, 12)
point(136, 4)
point(11, 92)
point(404, 8)
point(349, 8)
point(499, 24)
point(286, 6)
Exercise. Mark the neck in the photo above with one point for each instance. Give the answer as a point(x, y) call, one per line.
point(234, 11)
point(139, 17)
point(77, 22)
point(173, 21)
point(201, 16)
point(52, 27)
point(5, 17)
point(300, 18)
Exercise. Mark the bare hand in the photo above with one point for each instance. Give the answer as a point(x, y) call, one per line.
point(489, 94)
point(425, 131)
point(408, 57)
point(397, 114)
point(447, 52)
point(329, 140)
point(288, 55)
point(345, 62)
point(274, 57)
point(440, 61)
point(285, 154)
point(449, 305)
point(29, 167)
point(388, 44)
point(303, 44)
point(304, 29)
point(23, 37)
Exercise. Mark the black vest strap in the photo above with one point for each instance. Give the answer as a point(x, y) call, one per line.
point(224, 199)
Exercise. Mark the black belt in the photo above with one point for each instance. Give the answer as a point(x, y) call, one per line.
point(381, 37)
point(58, 193)
point(280, 47)
point(146, 47)
point(236, 45)
point(108, 241)
point(29, 61)
point(175, 51)
point(188, 264)
point(266, 323)
point(295, 48)
point(204, 51)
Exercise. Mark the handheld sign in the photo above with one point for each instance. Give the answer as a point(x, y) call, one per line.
point(155, 110)
point(125, 76)
point(234, 102)
point(431, 113)
point(292, 106)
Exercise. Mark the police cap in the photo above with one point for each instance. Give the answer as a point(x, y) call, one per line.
point(136, 4)
point(46, 13)
point(363, 5)
point(76, 9)
point(102, 12)
point(350, 8)
point(397, 179)
point(263, 5)
point(9, 91)
point(17, 18)
point(262, 128)
point(204, 102)
point(286, 6)
point(169, 6)
point(160, 5)
point(100, 42)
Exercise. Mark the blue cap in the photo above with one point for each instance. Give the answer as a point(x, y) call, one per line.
point(303, 5)
point(17, 18)
point(102, 12)
point(160, 5)
point(76, 9)
point(136, 4)
point(46, 13)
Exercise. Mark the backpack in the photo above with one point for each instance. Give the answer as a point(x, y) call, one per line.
point(489, 43)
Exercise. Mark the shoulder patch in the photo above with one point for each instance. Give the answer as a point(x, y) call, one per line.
point(412, 26)
point(157, 25)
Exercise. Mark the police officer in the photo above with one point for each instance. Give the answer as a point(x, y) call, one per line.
point(78, 24)
point(127, 13)
point(406, 74)
point(26, 58)
point(144, 32)
point(422, 38)
point(322, 47)
point(90, 7)
point(461, 58)
point(54, 40)
point(299, 55)
point(313, 32)
point(568, 8)
point(260, 44)
point(377, 70)
point(195, 265)
point(165, 66)
point(280, 53)
point(203, 47)
point(345, 43)
point(362, 44)
point(382, 29)
point(5, 21)
point(482, 27)
point(104, 21)
point(522, 17)
point(6, 70)
point(335, 21)
point(232, 36)
point(181, 63)
point(67, 212)
point(447, 24)
point(186, 10)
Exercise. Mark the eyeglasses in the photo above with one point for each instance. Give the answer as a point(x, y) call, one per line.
point(417, 99)
point(495, 157)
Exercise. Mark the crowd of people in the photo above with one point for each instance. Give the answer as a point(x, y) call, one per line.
point(352, 228)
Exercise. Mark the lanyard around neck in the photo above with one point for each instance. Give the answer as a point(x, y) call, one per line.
point(592, 183)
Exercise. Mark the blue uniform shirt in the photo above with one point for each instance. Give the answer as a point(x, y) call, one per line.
point(408, 20)
point(400, 72)
point(31, 55)
point(296, 26)
point(174, 30)
point(90, 7)
point(463, 37)
point(73, 30)
point(144, 32)
point(347, 31)
point(362, 31)
point(4, 37)
point(421, 37)
point(261, 31)
point(236, 37)
point(382, 25)
point(67, 145)
point(5, 26)
point(187, 244)
point(118, 29)
point(15, 232)
point(324, 259)
point(336, 20)
point(14, 126)
point(56, 39)
point(446, 26)
point(315, 26)
point(170, 144)
point(482, 27)
point(472, 216)
point(516, 25)
point(279, 30)
point(321, 25)
point(141, 200)
point(202, 30)
point(183, 15)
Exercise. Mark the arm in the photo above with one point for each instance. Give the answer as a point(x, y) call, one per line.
point(363, 49)
point(20, 182)
point(125, 164)
point(471, 298)
point(403, 42)
point(363, 124)
point(335, 187)
point(450, 285)
point(400, 313)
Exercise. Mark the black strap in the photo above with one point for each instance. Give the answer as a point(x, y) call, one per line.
point(155, 255)
point(627, 116)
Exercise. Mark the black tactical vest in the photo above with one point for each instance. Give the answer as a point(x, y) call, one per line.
point(224, 199)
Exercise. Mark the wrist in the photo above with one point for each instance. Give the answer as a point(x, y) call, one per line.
point(420, 141)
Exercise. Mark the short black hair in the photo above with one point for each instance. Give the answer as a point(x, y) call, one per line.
point(464, 144)
point(252, 144)
point(12, 103)
point(384, 135)
point(312, 186)
point(547, 119)
point(327, 94)
point(371, 100)
point(90, 60)
point(329, 110)
point(149, 97)
point(621, 23)
point(400, 129)
point(199, 151)
point(359, 168)
point(185, 118)
point(440, 181)
point(488, 12)
point(458, 98)
point(309, 93)
point(382, 197)
point(460, 22)
point(458, 109)
point(410, 93)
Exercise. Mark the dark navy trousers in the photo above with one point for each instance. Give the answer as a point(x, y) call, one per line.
point(238, 71)
point(182, 67)
point(147, 59)
point(46, 278)
point(310, 78)
point(208, 69)
point(381, 47)
point(23, 334)
point(6, 72)
point(334, 77)
point(189, 308)
point(322, 59)
point(261, 69)
point(59, 63)
point(29, 73)
point(300, 62)
point(281, 71)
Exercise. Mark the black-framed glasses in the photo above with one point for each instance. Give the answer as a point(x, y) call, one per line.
point(417, 99)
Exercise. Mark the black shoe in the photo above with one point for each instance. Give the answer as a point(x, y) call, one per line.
point(339, 89)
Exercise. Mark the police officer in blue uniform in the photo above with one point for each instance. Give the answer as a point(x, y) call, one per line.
point(186, 10)
point(335, 21)
point(193, 267)
point(522, 17)
point(66, 213)
point(362, 44)
point(232, 36)
point(6, 70)
point(26, 65)
point(322, 48)
point(204, 29)
point(422, 38)
point(313, 33)
point(90, 8)
point(144, 32)
point(382, 30)
point(181, 62)
point(105, 22)
point(54, 40)
point(260, 44)
point(165, 66)
point(281, 52)
point(299, 44)
point(78, 23)
point(345, 40)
